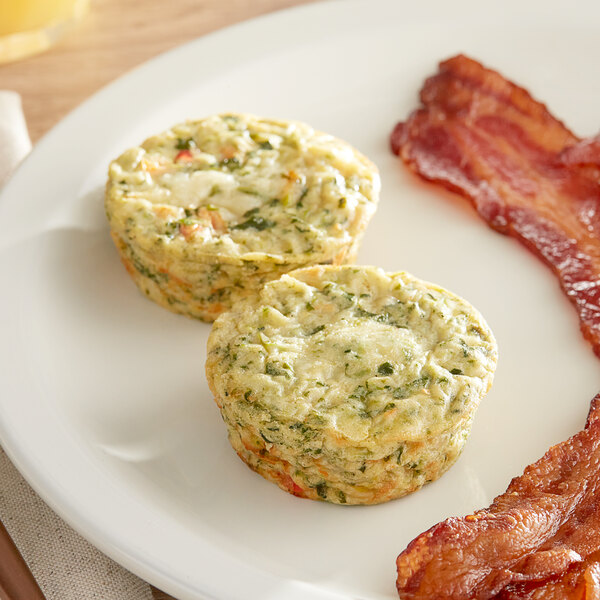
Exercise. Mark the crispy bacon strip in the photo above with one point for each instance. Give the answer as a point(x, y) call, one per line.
point(580, 582)
point(540, 539)
point(525, 173)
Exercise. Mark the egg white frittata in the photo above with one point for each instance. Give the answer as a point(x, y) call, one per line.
point(208, 211)
point(348, 384)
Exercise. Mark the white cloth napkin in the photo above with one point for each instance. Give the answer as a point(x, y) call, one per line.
point(14, 139)
point(65, 566)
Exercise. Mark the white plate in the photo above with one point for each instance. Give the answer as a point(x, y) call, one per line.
point(104, 405)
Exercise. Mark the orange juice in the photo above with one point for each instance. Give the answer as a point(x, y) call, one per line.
point(30, 26)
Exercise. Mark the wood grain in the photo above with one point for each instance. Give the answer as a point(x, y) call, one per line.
point(116, 36)
point(16, 580)
point(158, 595)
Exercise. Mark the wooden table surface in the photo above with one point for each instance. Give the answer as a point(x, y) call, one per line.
point(114, 37)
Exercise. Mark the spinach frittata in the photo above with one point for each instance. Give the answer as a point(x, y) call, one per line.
point(207, 212)
point(350, 385)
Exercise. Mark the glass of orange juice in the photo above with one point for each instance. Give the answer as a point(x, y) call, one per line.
point(31, 26)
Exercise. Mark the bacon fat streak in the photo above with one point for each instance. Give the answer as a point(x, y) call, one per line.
point(525, 173)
